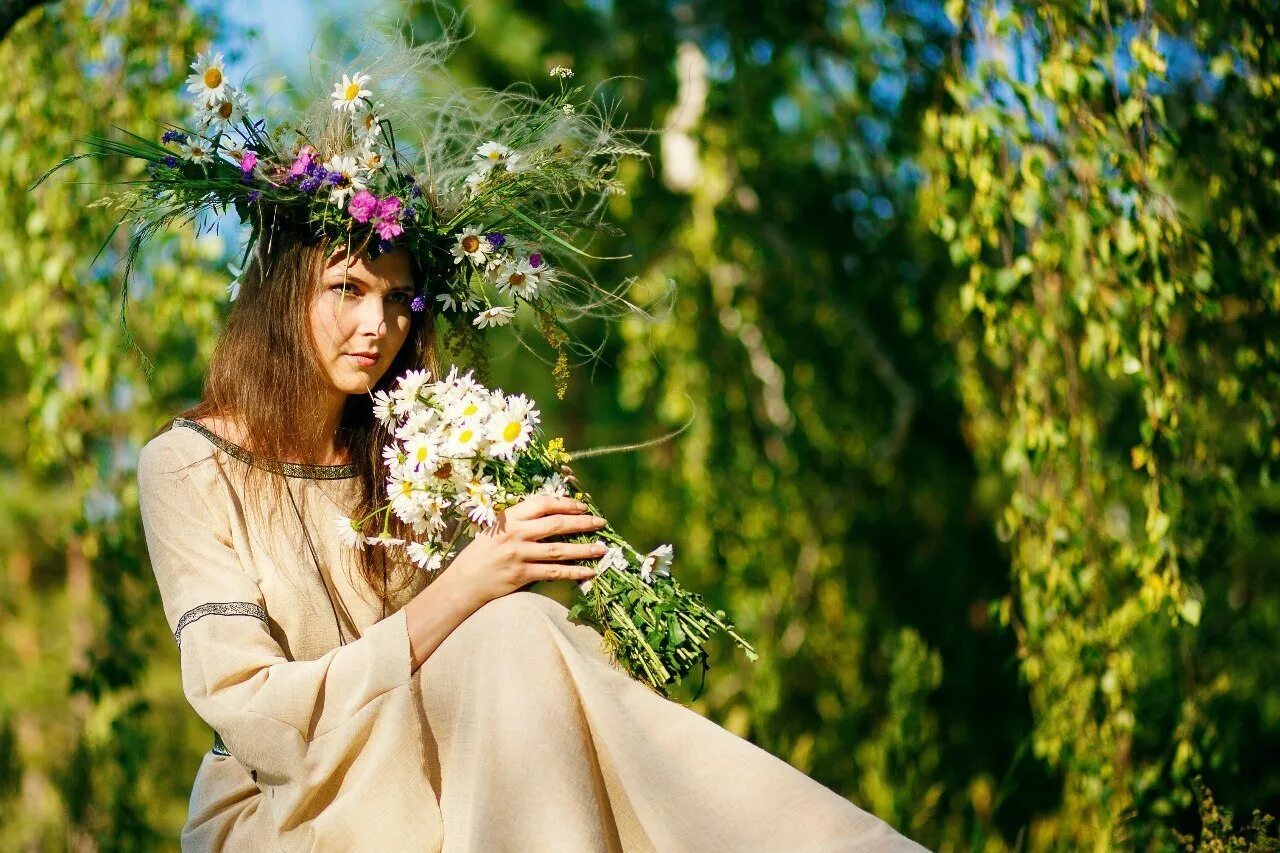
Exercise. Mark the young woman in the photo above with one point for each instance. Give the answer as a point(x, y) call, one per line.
point(356, 707)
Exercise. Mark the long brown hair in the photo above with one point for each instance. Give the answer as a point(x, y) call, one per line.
point(265, 375)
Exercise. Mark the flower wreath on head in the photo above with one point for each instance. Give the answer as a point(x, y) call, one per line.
point(498, 183)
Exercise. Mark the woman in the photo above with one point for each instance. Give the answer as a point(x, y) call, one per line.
point(358, 708)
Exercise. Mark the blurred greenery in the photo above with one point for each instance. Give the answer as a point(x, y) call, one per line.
point(976, 322)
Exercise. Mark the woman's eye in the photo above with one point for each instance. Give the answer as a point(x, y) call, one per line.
point(342, 286)
point(402, 297)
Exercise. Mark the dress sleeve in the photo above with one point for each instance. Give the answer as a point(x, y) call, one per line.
point(269, 710)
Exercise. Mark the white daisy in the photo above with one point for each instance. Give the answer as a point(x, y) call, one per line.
point(371, 158)
point(464, 439)
point(510, 429)
point(499, 315)
point(412, 383)
point(519, 278)
point(197, 150)
point(220, 113)
point(553, 484)
point(208, 82)
point(657, 561)
point(385, 538)
point(348, 533)
point(492, 154)
point(423, 451)
point(347, 94)
point(472, 245)
point(480, 502)
point(382, 408)
point(231, 150)
point(352, 180)
point(365, 120)
point(473, 183)
point(456, 302)
point(425, 558)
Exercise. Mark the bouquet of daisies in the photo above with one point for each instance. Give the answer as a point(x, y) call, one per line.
point(461, 453)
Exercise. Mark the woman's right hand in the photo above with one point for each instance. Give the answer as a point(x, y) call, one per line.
point(510, 554)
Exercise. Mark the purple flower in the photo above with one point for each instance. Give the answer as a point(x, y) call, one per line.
point(173, 136)
point(254, 195)
point(310, 185)
point(384, 246)
point(419, 302)
point(496, 239)
point(535, 260)
point(248, 162)
point(388, 228)
point(170, 161)
point(363, 205)
point(334, 178)
point(414, 190)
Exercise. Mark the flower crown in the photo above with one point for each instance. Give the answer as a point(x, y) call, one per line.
point(499, 182)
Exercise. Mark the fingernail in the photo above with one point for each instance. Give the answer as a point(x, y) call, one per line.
point(583, 506)
point(599, 522)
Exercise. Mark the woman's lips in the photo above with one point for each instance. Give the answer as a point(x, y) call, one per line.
point(364, 360)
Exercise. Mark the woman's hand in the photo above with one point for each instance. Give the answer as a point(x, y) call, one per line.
point(511, 555)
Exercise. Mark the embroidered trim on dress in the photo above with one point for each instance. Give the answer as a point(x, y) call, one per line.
point(289, 469)
point(218, 608)
point(219, 748)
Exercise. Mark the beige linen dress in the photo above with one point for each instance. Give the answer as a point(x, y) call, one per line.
point(517, 734)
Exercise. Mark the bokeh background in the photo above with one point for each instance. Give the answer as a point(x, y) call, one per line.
point(977, 323)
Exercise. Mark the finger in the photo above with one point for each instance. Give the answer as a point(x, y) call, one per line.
point(560, 571)
point(540, 505)
point(560, 524)
point(543, 552)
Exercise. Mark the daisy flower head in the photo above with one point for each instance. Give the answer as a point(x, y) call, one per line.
point(197, 150)
point(464, 439)
point(219, 114)
point(385, 539)
point(365, 121)
point(657, 562)
point(499, 315)
point(481, 502)
point(425, 558)
point(412, 382)
point(471, 245)
point(424, 452)
point(382, 408)
point(232, 150)
point(349, 179)
point(349, 534)
point(347, 93)
point(473, 182)
point(371, 158)
point(208, 82)
point(553, 484)
point(520, 278)
point(458, 302)
point(492, 154)
point(510, 429)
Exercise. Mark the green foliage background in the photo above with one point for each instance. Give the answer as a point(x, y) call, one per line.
point(976, 321)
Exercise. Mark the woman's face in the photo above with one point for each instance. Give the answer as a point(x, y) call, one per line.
point(366, 314)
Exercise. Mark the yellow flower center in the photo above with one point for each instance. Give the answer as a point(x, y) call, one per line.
point(512, 431)
point(422, 454)
point(352, 91)
point(470, 243)
point(470, 410)
point(368, 121)
point(516, 279)
point(465, 436)
point(213, 78)
point(495, 155)
point(224, 109)
point(445, 471)
point(406, 487)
